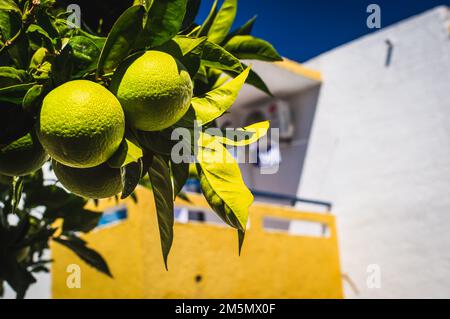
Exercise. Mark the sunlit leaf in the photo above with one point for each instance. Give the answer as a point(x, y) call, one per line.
point(218, 101)
point(244, 136)
point(248, 47)
point(222, 184)
point(223, 21)
point(187, 44)
point(134, 153)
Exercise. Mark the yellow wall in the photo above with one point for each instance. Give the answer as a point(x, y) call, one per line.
point(272, 265)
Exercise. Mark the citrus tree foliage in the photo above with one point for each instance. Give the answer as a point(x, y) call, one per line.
point(40, 50)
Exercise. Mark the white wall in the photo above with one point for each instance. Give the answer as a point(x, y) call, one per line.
point(380, 151)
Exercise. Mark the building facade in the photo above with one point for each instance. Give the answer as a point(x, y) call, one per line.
point(379, 150)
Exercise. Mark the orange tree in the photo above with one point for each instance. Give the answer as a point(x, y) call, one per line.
point(45, 58)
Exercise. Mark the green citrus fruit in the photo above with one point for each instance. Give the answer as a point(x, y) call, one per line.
point(95, 182)
point(154, 88)
point(22, 157)
point(81, 124)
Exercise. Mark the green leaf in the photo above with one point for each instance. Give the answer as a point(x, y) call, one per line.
point(244, 136)
point(134, 153)
point(241, 237)
point(9, 5)
point(47, 22)
point(62, 66)
point(240, 136)
point(164, 20)
point(41, 235)
point(202, 76)
point(40, 37)
point(182, 195)
point(81, 220)
point(16, 275)
point(216, 102)
point(85, 54)
point(131, 174)
point(33, 98)
point(180, 174)
point(88, 255)
point(121, 39)
point(248, 47)
point(245, 29)
point(204, 29)
point(40, 56)
point(159, 173)
point(10, 28)
point(10, 76)
point(127, 153)
point(223, 21)
point(192, 8)
point(16, 93)
point(187, 50)
point(99, 41)
point(155, 142)
point(221, 182)
point(188, 44)
point(57, 201)
point(215, 56)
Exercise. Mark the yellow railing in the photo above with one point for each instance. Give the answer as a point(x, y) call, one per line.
point(204, 261)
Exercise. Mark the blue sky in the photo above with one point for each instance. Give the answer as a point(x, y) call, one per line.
point(302, 29)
